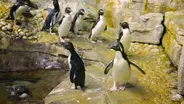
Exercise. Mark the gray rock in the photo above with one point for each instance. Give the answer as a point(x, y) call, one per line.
point(4, 28)
point(177, 97)
point(22, 33)
point(9, 27)
point(181, 74)
point(173, 91)
point(174, 24)
point(3, 23)
point(172, 48)
point(149, 30)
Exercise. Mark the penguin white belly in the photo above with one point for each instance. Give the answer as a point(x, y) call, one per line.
point(78, 25)
point(98, 29)
point(64, 27)
point(69, 64)
point(20, 10)
point(126, 41)
point(121, 71)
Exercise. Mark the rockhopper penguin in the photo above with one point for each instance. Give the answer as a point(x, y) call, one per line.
point(52, 17)
point(65, 24)
point(99, 26)
point(120, 67)
point(125, 36)
point(76, 65)
point(78, 21)
point(19, 7)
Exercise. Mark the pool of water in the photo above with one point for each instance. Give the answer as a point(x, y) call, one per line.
point(40, 83)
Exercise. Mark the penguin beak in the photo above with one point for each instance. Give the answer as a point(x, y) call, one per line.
point(62, 44)
point(109, 46)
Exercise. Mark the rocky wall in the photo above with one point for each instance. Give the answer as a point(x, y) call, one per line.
point(173, 41)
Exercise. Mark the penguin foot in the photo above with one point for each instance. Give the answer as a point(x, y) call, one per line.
point(92, 41)
point(82, 89)
point(122, 87)
point(114, 88)
point(99, 41)
point(52, 33)
point(79, 36)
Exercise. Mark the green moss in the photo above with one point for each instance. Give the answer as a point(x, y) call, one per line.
point(109, 13)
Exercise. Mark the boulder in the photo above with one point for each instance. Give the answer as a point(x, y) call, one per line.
point(150, 29)
point(172, 48)
point(22, 55)
point(181, 74)
point(174, 24)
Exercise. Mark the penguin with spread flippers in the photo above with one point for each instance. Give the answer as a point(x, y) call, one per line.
point(52, 17)
point(65, 24)
point(99, 26)
point(125, 36)
point(77, 22)
point(20, 7)
point(76, 65)
point(120, 66)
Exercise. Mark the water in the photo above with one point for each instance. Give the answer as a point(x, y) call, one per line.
point(42, 82)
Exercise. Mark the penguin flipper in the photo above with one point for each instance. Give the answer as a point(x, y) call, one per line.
point(73, 71)
point(140, 69)
point(61, 20)
point(120, 35)
point(73, 22)
point(48, 9)
point(105, 28)
point(108, 67)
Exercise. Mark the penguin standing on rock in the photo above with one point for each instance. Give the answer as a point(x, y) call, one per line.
point(77, 21)
point(76, 65)
point(125, 36)
point(20, 7)
point(65, 24)
point(99, 26)
point(52, 17)
point(120, 67)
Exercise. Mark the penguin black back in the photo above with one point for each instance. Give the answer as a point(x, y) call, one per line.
point(77, 71)
point(100, 12)
point(53, 13)
point(12, 10)
point(80, 12)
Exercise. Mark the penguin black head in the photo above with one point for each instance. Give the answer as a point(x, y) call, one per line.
point(68, 10)
point(68, 45)
point(115, 46)
point(100, 12)
point(81, 11)
point(124, 25)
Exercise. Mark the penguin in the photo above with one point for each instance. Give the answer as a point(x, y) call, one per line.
point(52, 17)
point(18, 92)
point(65, 24)
point(125, 36)
point(19, 7)
point(76, 65)
point(99, 26)
point(77, 21)
point(120, 66)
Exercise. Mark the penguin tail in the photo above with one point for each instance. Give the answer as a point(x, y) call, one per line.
point(90, 35)
point(9, 18)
